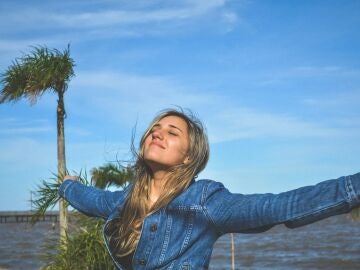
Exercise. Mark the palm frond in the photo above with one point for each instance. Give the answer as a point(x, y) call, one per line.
point(33, 74)
point(46, 195)
point(110, 174)
point(14, 81)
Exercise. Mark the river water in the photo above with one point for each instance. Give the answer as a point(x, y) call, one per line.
point(333, 243)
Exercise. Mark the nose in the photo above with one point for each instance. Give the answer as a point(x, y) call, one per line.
point(157, 134)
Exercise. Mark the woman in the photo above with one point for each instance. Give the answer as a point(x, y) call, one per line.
point(167, 220)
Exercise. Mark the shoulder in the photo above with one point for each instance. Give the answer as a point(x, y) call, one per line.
point(206, 188)
point(208, 185)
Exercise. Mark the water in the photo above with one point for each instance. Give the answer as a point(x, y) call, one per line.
point(330, 244)
point(21, 244)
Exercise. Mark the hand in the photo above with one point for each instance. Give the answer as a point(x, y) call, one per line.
point(71, 177)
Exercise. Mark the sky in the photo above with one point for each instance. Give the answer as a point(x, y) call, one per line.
point(276, 83)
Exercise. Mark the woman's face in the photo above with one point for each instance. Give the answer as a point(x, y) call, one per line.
point(167, 143)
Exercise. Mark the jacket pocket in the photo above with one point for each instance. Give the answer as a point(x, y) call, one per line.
point(185, 266)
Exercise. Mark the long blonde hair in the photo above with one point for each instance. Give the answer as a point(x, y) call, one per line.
point(124, 232)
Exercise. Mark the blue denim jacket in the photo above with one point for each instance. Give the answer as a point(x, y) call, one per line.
point(182, 234)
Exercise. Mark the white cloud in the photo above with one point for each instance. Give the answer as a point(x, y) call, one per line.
point(230, 19)
point(113, 16)
point(331, 71)
point(341, 99)
point(26, 152)
point(241, 123)
point(79, 23)
point(128, 96)
point(20, 131)
point(33, 154)
point(125, 17)
point(14, 126)
point(78, 131)
point(11, 49)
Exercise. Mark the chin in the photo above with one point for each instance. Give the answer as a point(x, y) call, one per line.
point(157, 165)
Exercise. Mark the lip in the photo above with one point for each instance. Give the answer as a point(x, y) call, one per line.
point(157, 144)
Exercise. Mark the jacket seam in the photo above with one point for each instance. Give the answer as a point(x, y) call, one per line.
point(108, 249)
point(63, 188)
point(78, 207)
point(110, 209)
point(205, 211)
point(350, 191)
point(309, 214)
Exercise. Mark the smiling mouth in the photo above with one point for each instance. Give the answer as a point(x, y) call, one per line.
point(157, 144)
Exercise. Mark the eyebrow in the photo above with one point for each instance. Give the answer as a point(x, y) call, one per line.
point(172, 126)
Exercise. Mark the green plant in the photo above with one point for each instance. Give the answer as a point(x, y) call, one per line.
point(83, 247)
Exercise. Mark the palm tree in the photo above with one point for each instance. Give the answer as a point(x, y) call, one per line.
point(30, 76)
point(111, 174)
point(85, 240)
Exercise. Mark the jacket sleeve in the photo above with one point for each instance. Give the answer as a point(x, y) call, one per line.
point(253, 213)
point(90, 200)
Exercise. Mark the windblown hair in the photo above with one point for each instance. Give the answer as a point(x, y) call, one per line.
point(124, 232)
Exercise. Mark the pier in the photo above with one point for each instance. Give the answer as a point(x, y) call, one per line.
point(25, 216)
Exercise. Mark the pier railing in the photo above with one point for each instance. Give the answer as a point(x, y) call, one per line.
point(25, 216)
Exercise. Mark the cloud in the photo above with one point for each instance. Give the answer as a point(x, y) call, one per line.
point(126, 17)
point(343, 99)
point(80, 21)
point(243, 123)
point(20, 131)
point(124, 99)
point(27, 152)
point(330, 71)
point(14, 126)
point(113, 16)
point(11, 49)
point(36, 154)
point(230, 19)
point(127, 97)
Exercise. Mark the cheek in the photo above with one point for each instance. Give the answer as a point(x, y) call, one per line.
point(145, 146)
point(180, 149)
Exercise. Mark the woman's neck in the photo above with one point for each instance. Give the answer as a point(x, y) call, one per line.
point(157, 185)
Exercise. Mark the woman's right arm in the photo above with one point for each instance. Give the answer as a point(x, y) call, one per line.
point(90, 200)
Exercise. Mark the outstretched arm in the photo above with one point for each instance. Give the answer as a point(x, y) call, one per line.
point(90, 200)
point(259, 212)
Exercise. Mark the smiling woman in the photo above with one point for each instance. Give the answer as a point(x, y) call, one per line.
point(167, 220)
point(167, 145)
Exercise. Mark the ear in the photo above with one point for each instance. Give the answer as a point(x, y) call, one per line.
point(187, 160)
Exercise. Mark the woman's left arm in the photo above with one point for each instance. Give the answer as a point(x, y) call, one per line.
point(231, 212)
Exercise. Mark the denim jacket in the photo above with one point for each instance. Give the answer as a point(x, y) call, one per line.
point(182, 234)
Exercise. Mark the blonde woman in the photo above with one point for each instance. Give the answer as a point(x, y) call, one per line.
point(167, 220)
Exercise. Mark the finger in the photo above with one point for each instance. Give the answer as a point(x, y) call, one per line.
point(71, 177)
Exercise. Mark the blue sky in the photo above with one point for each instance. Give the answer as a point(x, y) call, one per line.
point(277, 84)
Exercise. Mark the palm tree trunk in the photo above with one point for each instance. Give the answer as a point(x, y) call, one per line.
point(232, 251)
point(61, 161)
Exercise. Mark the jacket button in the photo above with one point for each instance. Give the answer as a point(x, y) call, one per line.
point(153, 227)
point(142, 261)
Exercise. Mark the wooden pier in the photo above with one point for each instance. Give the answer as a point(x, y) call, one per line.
point(25, 216)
